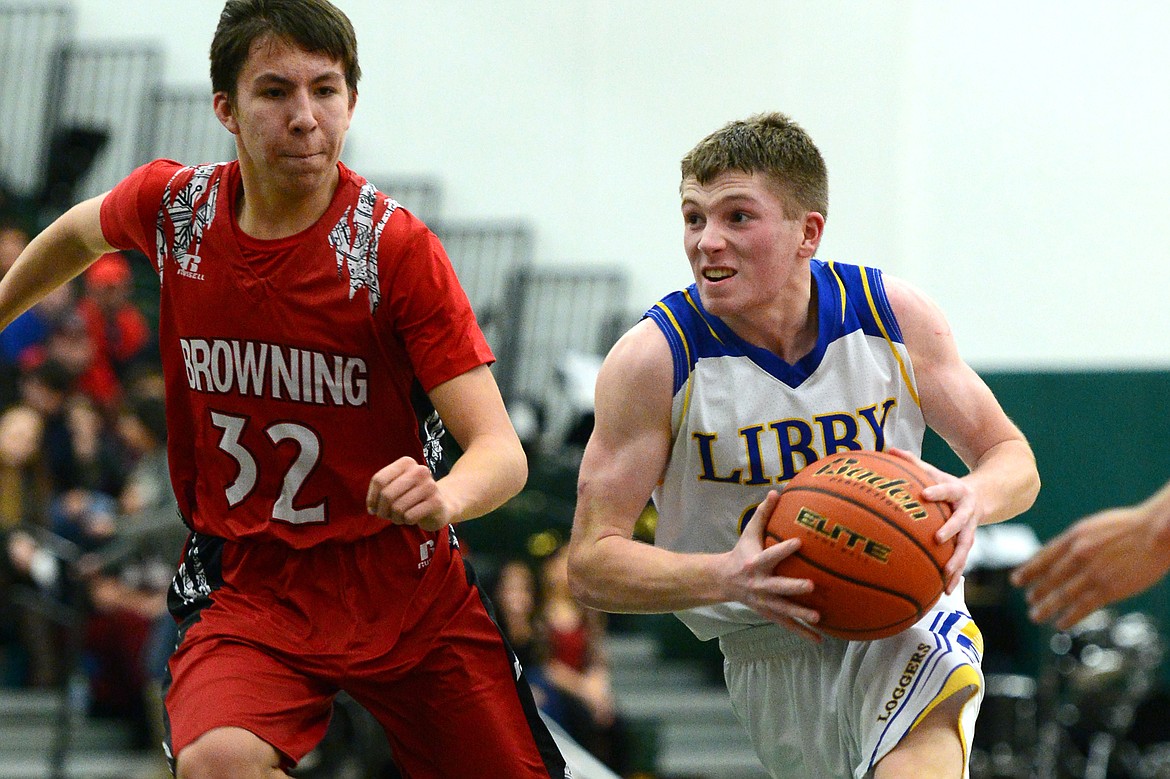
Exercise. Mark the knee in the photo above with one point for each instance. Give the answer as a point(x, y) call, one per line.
point(228, 753)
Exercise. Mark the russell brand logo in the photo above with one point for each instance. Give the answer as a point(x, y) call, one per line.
point(425, 552)
point(189, 266)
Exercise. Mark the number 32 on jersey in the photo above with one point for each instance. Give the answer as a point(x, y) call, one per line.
point(232, 428)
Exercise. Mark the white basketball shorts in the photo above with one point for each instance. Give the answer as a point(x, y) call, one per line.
point(818, 711)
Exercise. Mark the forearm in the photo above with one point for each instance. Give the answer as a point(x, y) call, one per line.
point(1007, 478)
point(488, 473)
point(622, 575)
point(57, 254)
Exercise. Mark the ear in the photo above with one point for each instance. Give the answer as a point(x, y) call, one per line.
point(814, 230)
point(225, 113)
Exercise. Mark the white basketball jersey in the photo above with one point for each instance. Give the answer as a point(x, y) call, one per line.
point(744, 421)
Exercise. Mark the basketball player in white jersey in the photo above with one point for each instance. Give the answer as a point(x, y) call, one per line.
point(725, 390)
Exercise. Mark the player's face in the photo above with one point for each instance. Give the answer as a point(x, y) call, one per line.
point(745, 253)
point(290, 115)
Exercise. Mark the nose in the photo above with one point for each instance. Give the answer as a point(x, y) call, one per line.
point(301, 116)
point(711, 239)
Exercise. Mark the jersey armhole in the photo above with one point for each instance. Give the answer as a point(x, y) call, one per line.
point(682, 355)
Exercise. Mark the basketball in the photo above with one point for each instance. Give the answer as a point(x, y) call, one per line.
point(867, 542)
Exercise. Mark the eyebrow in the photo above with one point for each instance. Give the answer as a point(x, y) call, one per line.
point(274, 78)
point(732, 199)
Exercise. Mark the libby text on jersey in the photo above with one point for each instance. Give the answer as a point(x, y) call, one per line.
point(795, 440)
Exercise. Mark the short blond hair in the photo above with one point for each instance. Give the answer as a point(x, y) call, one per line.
point(771, 144)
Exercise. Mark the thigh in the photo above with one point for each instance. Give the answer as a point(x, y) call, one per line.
point(228, 752)
point(933, 749)
point(462, 709)
point(216, 682)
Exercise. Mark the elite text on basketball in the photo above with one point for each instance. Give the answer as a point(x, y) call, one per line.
point(835, 531)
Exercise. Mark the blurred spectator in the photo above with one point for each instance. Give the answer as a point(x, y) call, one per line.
point(119, 333)
point(31, 329)
point(84, 518)
point(516, 600)
point(14, 236)
point(69, 345)
point(560, 646)
point(78, 451)
point(131, 634)
point(102, 338)
point(142, 428)
point(122, 552)
point(577, 666)
point(24, 484)
point(29, 644)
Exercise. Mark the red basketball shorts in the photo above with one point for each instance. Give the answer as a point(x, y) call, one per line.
point(270, 634)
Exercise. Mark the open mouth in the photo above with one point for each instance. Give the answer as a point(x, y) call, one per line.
point(718, 274)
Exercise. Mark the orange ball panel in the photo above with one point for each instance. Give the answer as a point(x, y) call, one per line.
point(867, 542)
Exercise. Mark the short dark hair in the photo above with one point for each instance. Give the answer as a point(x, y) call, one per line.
point(771, 144)
point(314, 25)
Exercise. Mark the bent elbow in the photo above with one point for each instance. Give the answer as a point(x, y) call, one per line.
point(580, 590)
point(580, 580)
point(520, 470)
point(513, 462)
point(1023, 497)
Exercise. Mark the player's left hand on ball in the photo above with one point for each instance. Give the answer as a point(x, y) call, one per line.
point(966, 514)
point(405, 493)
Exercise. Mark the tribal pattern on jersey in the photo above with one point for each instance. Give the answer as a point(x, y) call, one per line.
point(356, 244)
point(298, 366)
point(199, 573)
point(190, 211)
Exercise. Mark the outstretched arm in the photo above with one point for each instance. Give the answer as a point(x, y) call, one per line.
point(625, 458)
point(1002, 481)
point(1101, 559)
point(54, 256)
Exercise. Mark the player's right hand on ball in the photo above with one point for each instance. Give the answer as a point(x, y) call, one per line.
point(755, 583)
point(405, 493)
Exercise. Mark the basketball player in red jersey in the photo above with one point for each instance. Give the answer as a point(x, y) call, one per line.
point(316, 346)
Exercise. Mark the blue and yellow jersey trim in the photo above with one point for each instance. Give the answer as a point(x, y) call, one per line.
point(849, 297)
point(954, 633)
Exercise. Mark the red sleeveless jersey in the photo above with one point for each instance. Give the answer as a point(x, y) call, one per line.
point(295, 368)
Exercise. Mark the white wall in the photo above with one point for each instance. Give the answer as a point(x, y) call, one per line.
point(1008, 157)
